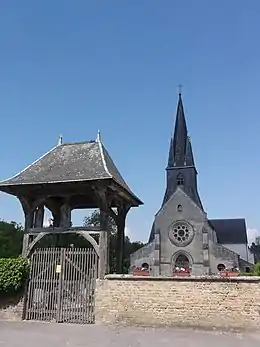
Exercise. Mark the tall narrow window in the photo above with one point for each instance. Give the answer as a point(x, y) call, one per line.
point(180, 180)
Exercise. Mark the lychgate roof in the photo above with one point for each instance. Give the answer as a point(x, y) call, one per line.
point(70, 162)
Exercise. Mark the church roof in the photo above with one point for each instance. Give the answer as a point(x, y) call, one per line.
point(70, 162)
point(230, 231)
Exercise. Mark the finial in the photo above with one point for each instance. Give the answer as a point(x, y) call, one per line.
point(180, 86)
point(60, 140)
point(98, 137)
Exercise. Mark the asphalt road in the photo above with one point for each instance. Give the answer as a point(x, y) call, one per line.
point(60, 335)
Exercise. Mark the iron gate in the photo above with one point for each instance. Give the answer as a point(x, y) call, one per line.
point(62, 285)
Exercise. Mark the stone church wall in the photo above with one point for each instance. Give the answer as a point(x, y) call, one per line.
point(221, 255)
point(209, 302)
point(143, 255)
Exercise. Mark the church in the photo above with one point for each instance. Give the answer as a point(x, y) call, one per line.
point(182, 237)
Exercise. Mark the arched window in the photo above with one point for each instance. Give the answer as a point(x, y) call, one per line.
point(180, 180)
point(179, 208)
point(221, 267)
point(145, 266)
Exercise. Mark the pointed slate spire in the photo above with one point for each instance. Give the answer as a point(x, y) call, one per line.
point(189, 159)
point(177, 151)
point(181, 161)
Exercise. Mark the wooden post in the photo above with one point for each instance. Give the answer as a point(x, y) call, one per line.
point(39, 216)
point(120, 221)
point(120, 245)
point(28, 210)
point(104, 205)
point(26, 241)
point(103, 256)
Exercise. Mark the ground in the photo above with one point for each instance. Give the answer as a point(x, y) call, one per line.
point(59, 335)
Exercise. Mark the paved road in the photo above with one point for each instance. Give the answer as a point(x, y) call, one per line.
point(61, 335)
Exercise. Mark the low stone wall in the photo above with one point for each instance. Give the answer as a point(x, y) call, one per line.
point(224, 303)
point(11, 309)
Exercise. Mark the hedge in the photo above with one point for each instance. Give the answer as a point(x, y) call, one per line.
point(13, 274)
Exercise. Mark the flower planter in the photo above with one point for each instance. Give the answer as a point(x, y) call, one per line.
point(140, 273)
point(228, 274)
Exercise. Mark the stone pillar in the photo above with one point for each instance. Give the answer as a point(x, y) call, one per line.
point(157, 250)
point(206, 265)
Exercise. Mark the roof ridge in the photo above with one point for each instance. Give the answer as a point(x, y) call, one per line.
point(76, 143)
point(100, 145)
point(28, 166)
point(238, 218)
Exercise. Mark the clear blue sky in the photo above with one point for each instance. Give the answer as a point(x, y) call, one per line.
point(72, 67)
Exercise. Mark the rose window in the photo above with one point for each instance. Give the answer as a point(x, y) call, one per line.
point(181, 234)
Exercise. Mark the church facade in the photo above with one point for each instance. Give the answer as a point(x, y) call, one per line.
point(182, 237)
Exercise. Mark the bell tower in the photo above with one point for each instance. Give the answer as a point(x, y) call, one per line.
point(181, 170)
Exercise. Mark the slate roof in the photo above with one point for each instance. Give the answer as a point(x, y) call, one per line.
point(230, 231)
point(70, 162)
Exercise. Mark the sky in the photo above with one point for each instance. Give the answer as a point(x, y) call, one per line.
point(73, 67)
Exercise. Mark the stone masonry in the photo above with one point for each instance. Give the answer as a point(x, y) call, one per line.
point(11, 309)
point(231, 303)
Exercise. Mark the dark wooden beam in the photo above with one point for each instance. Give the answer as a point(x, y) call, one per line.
point(120, 244)
point(55, 230)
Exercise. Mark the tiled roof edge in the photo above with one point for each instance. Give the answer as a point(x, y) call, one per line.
point(27, 167)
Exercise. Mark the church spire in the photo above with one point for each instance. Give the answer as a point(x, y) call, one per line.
point(181, 171)
point(177, 151)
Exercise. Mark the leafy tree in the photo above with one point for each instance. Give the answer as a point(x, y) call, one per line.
point(11, 239)
point(257, 240)
point(130, 247)
point(255, 249)
point(94, 220)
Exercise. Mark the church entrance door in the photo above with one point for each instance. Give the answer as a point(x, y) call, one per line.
point(182, 261)
point(181, 265)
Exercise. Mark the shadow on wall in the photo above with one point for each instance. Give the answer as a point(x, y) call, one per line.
point(10, 300)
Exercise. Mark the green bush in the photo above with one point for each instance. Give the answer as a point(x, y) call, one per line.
point(247, 274)
point(13, 274)
point(255, 272)
point(257, 269)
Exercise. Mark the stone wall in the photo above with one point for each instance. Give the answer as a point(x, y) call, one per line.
point(143, 255)
point(11, 309)
point(222, 255)
point(209, 302)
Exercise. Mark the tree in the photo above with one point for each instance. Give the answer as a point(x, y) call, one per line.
point(130, 247)
point(94, 220)
point(257, 240)
point(11, 239)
